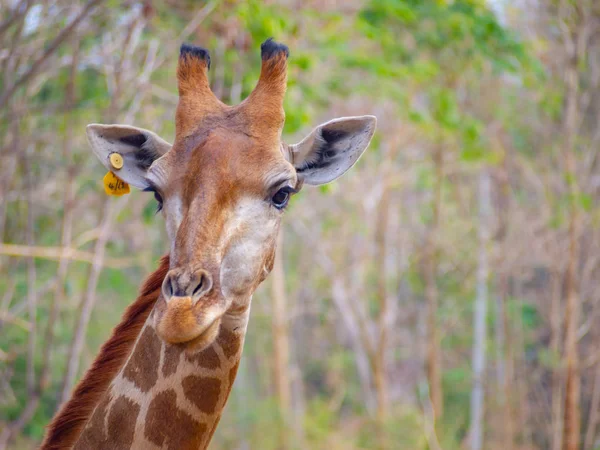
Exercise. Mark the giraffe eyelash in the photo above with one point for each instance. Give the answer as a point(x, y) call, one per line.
point(157, 197)
point(159, 200)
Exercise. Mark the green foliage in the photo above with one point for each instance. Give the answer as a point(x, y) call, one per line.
point(454, 424)
point(462, 34)
point(524, 312)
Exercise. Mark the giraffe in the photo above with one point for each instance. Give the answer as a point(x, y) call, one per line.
point(162, 379)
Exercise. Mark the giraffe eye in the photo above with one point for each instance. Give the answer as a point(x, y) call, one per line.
point(282, 197)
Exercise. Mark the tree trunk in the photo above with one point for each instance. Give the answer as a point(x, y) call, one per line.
point(572, 419)
point(503, 360)
point(557, 372)
point(433, 363)
point(480, 313)
point(243, 392)
point(590, 435)
point(281, 347)
point(380, 360)
point(360, 346)
point(502, 374)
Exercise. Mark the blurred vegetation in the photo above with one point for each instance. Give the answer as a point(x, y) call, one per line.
point(386, 258)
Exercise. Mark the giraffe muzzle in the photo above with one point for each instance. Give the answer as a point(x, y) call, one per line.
point(181, 321)
point(190, 309)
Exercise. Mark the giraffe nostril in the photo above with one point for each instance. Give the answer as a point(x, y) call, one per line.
point(167, 287)
point(199, 287)
point(186, 284)
point(203, 286)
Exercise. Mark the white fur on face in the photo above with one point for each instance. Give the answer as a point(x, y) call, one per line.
point(173, 212)
point(248, 236)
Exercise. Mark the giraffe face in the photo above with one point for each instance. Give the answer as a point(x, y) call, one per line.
point(222, 188)
point(222, 201)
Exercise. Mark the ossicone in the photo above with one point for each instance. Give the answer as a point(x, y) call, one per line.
point(191, 51)
point(270, 48)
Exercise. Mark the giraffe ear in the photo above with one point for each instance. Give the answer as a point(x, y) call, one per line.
point(137, 147)
point(332, 148)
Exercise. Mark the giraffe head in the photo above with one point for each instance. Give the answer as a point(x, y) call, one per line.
point(223, 186)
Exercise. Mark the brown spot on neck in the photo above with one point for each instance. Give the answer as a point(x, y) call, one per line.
point(229, 341)
point(119, 430)
point(142, 368)
point(171, 360)
point(171, 428)
point(202, 392)
point(207, 358)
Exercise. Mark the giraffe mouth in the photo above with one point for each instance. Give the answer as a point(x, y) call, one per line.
point(206, 338)
point(181, 322)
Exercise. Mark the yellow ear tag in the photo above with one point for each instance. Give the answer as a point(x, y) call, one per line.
point(113, 185)
point(116, 160)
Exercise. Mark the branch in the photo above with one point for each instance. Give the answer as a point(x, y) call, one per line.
point(197, 20)
point(52, 47)
point(17, 12)
point(8, 317)
point(64, 253)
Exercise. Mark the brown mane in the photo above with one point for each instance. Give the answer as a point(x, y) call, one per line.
point(65, 428)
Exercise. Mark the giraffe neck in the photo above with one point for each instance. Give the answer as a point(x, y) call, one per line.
point(167, 396)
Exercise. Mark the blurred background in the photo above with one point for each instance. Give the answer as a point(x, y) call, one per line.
point(444, 294)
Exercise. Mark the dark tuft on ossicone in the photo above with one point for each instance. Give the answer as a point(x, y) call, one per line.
point(270, 48)
point(192, 51)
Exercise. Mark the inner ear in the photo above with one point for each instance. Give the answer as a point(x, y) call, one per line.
point(135, 140)
point(144, 155)
point(324, 150)
point(331, 149)
point(138, 148)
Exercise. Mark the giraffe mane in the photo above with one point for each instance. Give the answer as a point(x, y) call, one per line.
point(65, 428)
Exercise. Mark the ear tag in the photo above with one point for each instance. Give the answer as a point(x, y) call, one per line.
point(113, 185)
point(116, 160)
